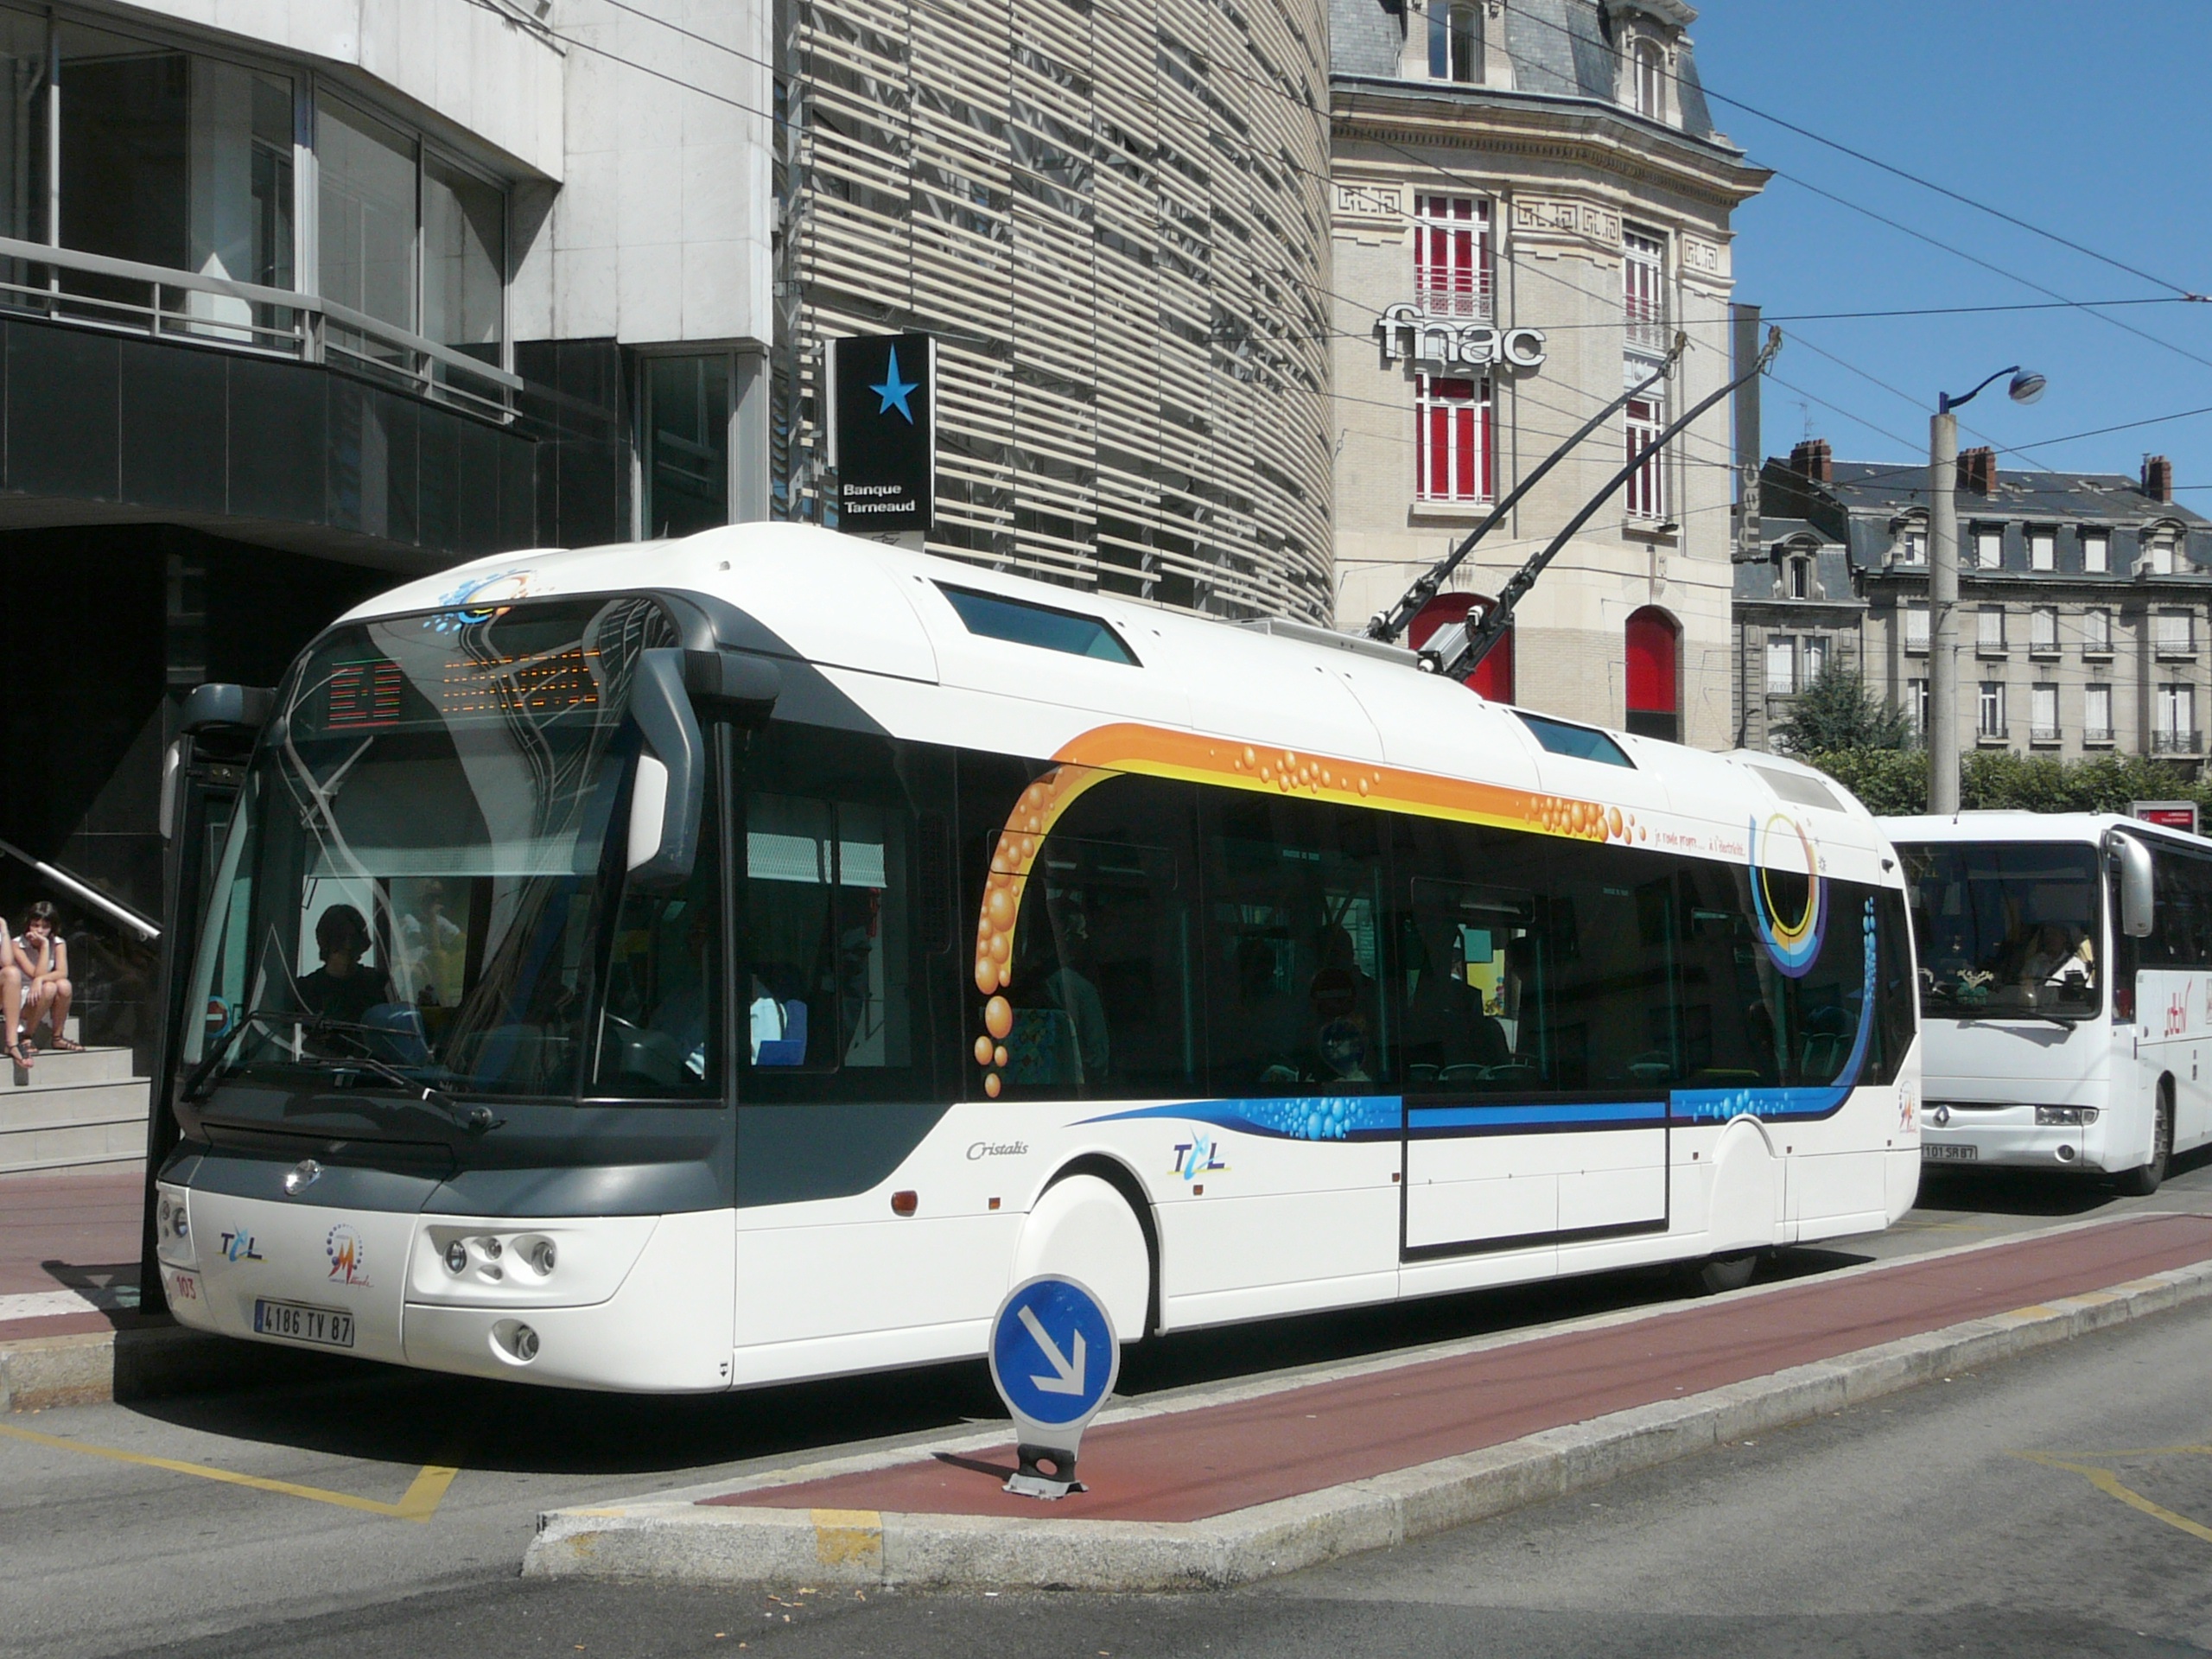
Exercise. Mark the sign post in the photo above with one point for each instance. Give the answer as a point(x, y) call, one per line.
point(882, 440)
point(1054, 1359)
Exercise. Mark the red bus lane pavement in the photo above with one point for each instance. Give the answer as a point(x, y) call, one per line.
point(1215, 1491)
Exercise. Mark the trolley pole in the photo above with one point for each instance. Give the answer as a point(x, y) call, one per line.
point(1943, 612)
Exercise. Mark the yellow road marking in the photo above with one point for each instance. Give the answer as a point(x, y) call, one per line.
point(848, 1536)
point(2109, 1483)
point(419, 1503)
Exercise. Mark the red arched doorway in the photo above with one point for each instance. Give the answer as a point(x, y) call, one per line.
point(1493, 676)
point(1655, 675)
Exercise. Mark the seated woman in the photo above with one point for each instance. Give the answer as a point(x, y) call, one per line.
point(42, 958)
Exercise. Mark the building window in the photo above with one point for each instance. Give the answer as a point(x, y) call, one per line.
point(2042, 550)
point(1451, 257)
point(2042, 631)
point(2096, 552)
point(2175, 636)
point(1451, 424)
point(1801, 578)
point(1914, 545)
point(1990, 630)
point(1915, 627)
point(1992, 713)
point(1455, 43)
point(684, 413)
point(1915, 706)
point(1647, 485)
point(2096, 634)
point(1649, 74)
point(1817, 657)
point(1780, 665)
point(2043, 714)
point(464, 261)
point(2096, 714)
point(1989, 550)
point(1653, 699)
point(1644, 295)
point(2161, 552)
point(2176, 728)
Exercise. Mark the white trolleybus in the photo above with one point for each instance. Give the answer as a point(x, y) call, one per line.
point(744, 959)
point(2065, 990)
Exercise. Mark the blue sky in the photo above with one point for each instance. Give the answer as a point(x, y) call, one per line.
point(2087, 117)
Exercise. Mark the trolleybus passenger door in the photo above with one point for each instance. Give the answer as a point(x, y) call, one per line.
point(201, 775)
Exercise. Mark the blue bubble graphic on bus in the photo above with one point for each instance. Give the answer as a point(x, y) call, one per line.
point(1796, 945)
point(478, 600)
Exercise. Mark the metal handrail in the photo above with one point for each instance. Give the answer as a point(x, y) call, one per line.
point(100, 264)
point(78, 889)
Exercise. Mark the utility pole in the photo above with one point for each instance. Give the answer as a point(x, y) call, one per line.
point(1943, 611)
point(1943, 584)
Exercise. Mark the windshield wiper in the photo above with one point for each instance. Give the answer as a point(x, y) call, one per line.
point(475, 1119)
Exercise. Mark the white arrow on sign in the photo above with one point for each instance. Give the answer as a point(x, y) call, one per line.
point(1070, 1380)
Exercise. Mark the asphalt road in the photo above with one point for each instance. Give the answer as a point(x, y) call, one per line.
point(331, 1519)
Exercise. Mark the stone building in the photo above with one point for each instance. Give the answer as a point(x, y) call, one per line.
point(2084, 601)
point(1530, 201)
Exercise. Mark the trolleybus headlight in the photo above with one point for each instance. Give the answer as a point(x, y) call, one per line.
point(542, 1255)
point(456, 1257)
point(492, 1247)
point(2048, 1117)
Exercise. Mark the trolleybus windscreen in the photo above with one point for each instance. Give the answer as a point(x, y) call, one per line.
point(2006, 927)
point(410, 891)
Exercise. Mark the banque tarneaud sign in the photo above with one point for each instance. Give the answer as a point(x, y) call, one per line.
point(1409, 331)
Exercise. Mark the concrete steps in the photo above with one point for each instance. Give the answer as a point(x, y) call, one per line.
point(72, 1110)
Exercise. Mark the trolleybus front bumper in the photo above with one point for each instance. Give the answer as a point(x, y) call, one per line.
point(642, 1303)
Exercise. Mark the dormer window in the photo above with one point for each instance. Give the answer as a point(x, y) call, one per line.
point(1648, 79)
point(1455, 41)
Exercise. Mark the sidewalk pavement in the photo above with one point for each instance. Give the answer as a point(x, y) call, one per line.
point(69, 1242)
point(1239, 1482)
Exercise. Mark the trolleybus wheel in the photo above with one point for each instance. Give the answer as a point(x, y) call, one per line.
point(2142, 1181)
point(1717, 1273)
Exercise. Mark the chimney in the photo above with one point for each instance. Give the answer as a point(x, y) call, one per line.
point(2157, 478)
point(1978, 471)
point(1812, 459)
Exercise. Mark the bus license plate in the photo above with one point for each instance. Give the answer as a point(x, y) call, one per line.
point(1930, 1153)
point(328, 1327)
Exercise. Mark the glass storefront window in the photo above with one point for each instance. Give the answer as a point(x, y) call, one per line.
point(686, 443)
point(367, 211)
point(464, 260)
point(22, 132)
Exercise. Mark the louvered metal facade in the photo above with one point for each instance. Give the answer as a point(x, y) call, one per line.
point(1114, 219)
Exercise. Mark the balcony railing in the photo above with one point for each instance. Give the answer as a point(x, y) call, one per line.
point(1460, 304)
point(267, 321)
point(2173, 649)
point(1648, 332)
point(2175, 742)
point(2042, 734)
point(2097, 736)
point(1988, 734)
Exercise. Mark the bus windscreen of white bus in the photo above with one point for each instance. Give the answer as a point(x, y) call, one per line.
point(2006, 927)
point(407, 897)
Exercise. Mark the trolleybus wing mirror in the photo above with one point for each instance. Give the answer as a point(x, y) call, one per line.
point(744, 687)
point(209, 707)
point(2136, 903)
point(670, 784)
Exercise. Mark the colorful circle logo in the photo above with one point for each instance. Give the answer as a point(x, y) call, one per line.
point(1795, 944)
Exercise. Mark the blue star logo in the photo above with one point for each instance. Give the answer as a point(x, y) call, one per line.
point(893, 390)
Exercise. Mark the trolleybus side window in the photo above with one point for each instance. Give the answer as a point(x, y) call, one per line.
point(1295, 942)
point(830, 985)
point(1098, 999)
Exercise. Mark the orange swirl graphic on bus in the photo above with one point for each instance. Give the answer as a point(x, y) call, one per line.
point(1155, 752)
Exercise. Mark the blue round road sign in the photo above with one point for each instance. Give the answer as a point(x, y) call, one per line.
point(1053, 1354)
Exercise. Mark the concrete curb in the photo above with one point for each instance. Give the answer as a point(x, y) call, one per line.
point(145, 1362)
point(680, 1540)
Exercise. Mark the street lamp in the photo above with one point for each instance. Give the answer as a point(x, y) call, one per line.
point(1943, 582)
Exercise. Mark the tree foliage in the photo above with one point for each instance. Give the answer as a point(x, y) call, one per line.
point(1894, 783)
point(1836, 711)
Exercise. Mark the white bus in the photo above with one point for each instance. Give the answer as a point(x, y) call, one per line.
point(2066, 990)
point(743, 959)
